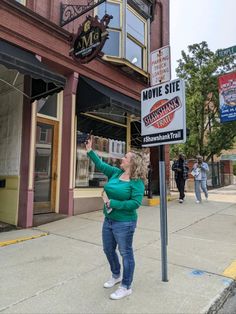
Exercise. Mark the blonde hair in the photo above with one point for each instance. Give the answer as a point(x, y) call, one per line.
point(139, 166)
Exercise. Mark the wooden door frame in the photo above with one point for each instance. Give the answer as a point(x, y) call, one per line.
point(54, 156)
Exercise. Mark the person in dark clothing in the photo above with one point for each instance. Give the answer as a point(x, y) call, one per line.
point(181, 169)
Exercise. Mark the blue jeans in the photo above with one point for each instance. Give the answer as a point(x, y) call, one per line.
point(119, 233)
point(203, 185)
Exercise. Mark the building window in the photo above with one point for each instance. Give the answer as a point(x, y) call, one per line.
point(43, 135)
point(21, 1)
point(126, 41)
point(112, 46)
point(134, 53)
point(135, 40)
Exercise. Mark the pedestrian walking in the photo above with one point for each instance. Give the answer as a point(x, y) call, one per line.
point(123, 194)
point(199, 172)
point(180, 167)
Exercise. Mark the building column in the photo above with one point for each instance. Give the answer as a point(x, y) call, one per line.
point(66, 197)
point(26, 193)
point(128, 133)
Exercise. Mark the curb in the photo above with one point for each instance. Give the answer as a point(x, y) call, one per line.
point(220, 299)
point(156, 200)
point(9, 242)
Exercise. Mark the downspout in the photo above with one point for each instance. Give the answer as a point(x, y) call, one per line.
point(161, 21)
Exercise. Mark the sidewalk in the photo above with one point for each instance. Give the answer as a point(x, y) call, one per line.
point(63, 269)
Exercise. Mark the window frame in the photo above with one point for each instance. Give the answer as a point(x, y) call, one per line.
point(136, 41)
point(124, 35)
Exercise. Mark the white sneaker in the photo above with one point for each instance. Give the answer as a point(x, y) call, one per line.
point(180, 200)
point(120, 293)
point(197, 201)
point(206, 198)
point(112, 282)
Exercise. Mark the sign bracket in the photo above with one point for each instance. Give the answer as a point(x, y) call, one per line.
point(70, 12)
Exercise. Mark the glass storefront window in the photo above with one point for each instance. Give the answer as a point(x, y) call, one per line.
point(111, 151)
point(48, 106)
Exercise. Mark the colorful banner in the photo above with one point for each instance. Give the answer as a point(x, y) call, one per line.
point(227, 97)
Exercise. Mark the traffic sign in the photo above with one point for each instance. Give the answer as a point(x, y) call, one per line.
point(160, 70)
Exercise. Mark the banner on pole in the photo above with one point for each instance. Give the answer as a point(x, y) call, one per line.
point(227, 97)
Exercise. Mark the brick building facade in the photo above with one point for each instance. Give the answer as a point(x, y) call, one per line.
point(47, 94)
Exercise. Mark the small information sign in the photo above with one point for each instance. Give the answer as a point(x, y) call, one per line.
point(160, 70)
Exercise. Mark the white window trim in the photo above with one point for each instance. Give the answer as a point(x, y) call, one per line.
point(123, 35)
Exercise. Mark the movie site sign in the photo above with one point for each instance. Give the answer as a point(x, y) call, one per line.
point(227, 97)
point(90, 38)
point(163, 118)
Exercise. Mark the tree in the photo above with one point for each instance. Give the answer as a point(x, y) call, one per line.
point(200, 69)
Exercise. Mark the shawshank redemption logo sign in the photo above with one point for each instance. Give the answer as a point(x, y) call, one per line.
point(90, 38)
point(163, 114)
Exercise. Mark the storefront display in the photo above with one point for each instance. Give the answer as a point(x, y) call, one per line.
point(110, 151)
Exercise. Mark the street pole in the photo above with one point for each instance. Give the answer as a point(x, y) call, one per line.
point(163, 212)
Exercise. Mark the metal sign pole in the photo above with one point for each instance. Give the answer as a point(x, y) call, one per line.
point(163, 122)
point(163, 213)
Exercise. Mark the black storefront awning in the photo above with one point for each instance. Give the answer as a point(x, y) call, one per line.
point(44, 81)
point(92, 96)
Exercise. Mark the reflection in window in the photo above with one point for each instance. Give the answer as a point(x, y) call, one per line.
point(112, 45)
point(43, 135)
point(112, 9)
point(110, 151)
point(48, 106)
point(135, 27)
point(134, 53)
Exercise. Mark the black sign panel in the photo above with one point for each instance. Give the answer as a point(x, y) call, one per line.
point(164, 137)
point(90, 38)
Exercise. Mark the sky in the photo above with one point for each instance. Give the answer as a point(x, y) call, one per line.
point(194, 21)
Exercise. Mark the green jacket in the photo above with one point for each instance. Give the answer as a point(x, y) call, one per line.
point(125, 196)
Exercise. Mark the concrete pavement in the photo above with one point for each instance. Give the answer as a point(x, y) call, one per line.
point(63, 269)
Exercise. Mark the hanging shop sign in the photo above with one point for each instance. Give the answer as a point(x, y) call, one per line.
point(163, 117)
point(90, 38)
point(227, 97)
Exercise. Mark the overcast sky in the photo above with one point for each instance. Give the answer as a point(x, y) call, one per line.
point(194, 21)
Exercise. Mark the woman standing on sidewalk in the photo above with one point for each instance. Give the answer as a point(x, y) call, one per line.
point(123, 194)
point(199, 171)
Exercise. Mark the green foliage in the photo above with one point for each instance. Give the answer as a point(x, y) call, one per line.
point(200, 69)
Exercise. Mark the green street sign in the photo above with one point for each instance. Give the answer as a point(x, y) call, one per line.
point(226, 52)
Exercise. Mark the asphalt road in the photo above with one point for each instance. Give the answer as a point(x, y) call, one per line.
point(229, 306)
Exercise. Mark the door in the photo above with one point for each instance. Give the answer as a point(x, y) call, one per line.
point(45, 180)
